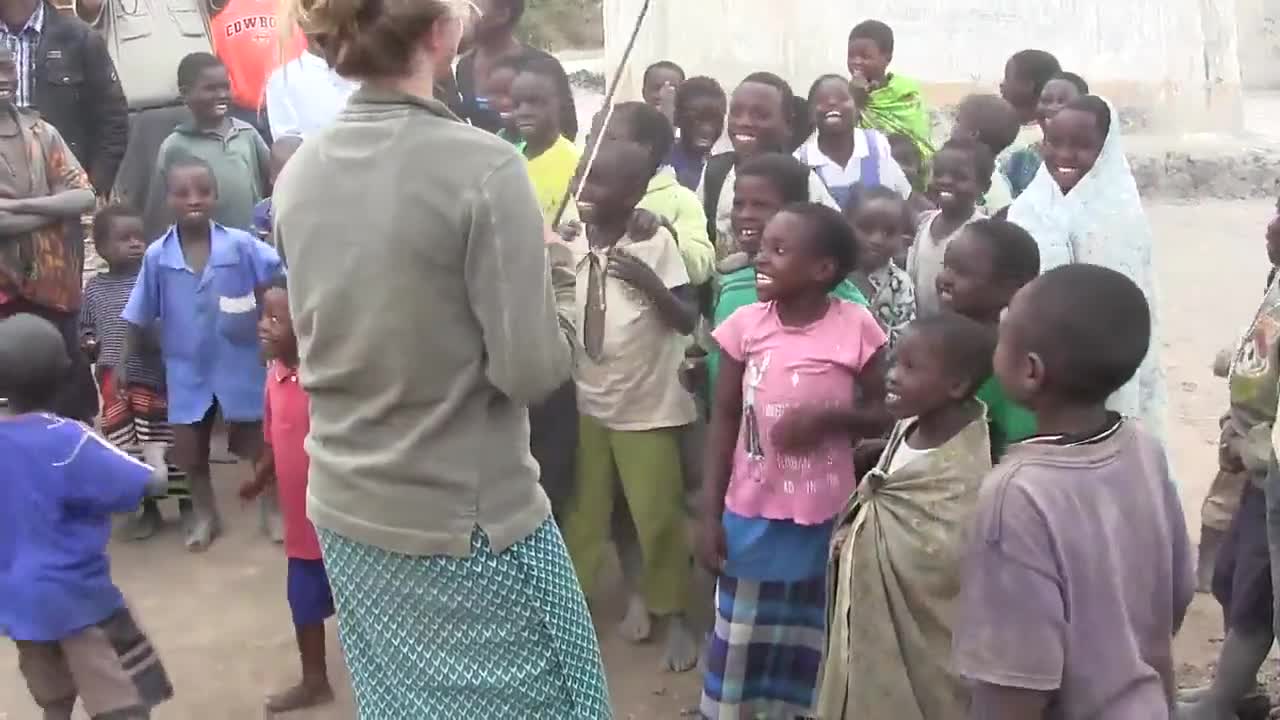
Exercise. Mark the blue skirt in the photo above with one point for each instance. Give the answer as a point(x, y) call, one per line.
point(504, 635)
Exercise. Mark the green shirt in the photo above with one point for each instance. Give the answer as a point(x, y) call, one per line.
point(239, 159)
point(1009, 421)
point(737, 290)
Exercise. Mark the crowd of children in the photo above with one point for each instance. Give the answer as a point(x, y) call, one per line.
point(916, 502)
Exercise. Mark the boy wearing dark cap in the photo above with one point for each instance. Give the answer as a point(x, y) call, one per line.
point(76, 637)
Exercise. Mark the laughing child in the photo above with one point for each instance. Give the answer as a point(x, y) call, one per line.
point(961, 174)
point(1077, 570)
point(986, 264)
point(761, 120)
point(662, 80)
point(553, 159)
point(1023, 163)
point(802, 379)
point(75, 634)
point(232, 148)
point(894, 102)
point(841, 154)
point(284, 466)
point(635, 307)
point(665, 197)
point(879, 219)
point(763, 186)
point(893, 572)
point(701, 106)
point(1025, 76)
point(994, 123)
point(199, 283)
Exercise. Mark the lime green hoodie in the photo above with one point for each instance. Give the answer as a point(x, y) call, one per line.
point(667, 198)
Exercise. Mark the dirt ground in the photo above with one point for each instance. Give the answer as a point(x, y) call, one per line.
point(222, 626)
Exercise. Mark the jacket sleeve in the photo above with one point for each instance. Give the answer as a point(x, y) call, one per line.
point(695, 245)
point(522, 303)
point(106, 114)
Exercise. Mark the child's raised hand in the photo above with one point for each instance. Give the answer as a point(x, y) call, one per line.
point(567, 232)
point(643, 225)
point(635, 272)
point(667, 101)
point(800, 429)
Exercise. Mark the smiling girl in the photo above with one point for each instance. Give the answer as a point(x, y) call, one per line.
point(1086, 209)
point(840, 153)
point(802, 377)
point(961, 174)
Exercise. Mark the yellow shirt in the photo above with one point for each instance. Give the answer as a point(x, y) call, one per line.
point(551, 173)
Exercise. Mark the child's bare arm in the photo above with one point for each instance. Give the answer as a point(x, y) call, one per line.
point(801, 429)
point(264, 474)
point(726, 420)
point(71, 203)
point(19, 223)
point(678, 307)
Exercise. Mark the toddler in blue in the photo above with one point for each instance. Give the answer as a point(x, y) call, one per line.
point(76, 637)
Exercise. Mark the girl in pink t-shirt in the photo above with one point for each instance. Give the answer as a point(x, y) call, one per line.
point(802, 378)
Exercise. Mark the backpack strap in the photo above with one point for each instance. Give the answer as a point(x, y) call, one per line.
point(713, 178)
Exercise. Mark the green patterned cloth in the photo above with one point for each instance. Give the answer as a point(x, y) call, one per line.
point(490, 636)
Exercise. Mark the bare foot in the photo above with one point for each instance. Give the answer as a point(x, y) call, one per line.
point(681, 653)
point(635, 625)
point(203, 532)
point(303, 695)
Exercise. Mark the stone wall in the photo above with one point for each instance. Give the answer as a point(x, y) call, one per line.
point(1176, 61)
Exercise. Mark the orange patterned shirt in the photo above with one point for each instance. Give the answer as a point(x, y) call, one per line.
point(44, 266)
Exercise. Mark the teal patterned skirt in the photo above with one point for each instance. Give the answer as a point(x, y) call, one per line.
point(491, 636)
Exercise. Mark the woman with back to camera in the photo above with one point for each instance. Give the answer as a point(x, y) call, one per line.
point(427, 321)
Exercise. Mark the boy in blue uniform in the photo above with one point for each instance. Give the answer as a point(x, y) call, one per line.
point(76, 637)
point(200, 282)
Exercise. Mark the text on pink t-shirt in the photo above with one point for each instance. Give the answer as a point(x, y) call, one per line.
point(789, 367)
point(286, 423)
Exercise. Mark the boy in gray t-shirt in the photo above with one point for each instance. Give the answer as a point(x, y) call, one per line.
point(1078, 572)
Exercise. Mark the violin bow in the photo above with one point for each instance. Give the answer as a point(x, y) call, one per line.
point(575, 188)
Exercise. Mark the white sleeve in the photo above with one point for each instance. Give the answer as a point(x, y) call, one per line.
point(281, 115)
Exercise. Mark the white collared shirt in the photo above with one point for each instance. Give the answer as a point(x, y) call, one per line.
point(304, 96)
point(891, 175)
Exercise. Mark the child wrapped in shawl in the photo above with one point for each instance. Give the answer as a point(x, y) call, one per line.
point(892, 579)
point(1086, 209)
point(894, 103)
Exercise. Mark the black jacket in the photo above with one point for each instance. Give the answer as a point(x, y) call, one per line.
point(76, 89)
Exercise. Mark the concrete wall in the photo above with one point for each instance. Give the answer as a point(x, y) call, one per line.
point(1172, 64)
point(1259, 23)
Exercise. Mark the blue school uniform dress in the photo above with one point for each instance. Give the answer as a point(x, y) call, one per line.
point(61, 485)
point(871, 164)
point(208, 324)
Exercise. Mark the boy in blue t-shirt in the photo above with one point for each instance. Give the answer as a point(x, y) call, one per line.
point(74, 633)
point(200, 283)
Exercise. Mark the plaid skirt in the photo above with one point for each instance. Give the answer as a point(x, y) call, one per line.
point(766, 649)
point(493, 635)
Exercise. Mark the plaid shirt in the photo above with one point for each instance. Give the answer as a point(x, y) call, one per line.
point(23, 43)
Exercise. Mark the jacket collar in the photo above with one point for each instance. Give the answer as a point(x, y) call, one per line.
point(373, 97)
point(188, 127)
